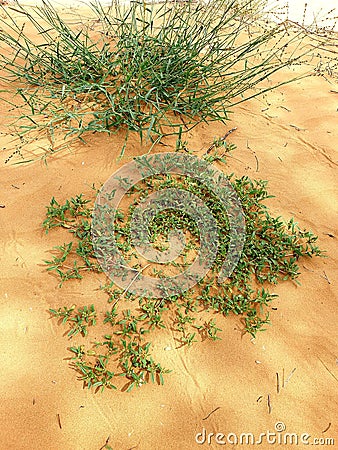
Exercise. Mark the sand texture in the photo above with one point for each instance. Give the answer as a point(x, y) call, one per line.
point(290, 138)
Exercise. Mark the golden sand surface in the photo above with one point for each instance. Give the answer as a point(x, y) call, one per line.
point(290, 138)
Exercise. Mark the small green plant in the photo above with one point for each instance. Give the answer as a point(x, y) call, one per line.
point(111, 316)
point(96, 375)
point(155, 69)
point(209, 330)
point(270, 255)
point(255, 323)
point(71, 216)
point(152, 313)
point(64, 314)
point(79, 321)
point(138, 365)
point(65, 215)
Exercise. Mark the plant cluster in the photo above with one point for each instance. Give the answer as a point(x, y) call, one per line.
point(271, 253)
point(74, 215)
point(152, 69)
point(155, 70)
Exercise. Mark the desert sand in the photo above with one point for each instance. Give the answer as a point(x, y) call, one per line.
point(288, 137)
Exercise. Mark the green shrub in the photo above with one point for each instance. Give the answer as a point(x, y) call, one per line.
point(153, 69)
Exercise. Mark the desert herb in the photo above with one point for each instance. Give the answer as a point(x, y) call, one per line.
point(271, 252)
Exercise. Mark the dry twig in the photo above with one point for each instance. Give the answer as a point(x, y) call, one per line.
point(221, 139)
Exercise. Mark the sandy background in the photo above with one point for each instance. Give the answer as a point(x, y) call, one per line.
point(289, 137)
